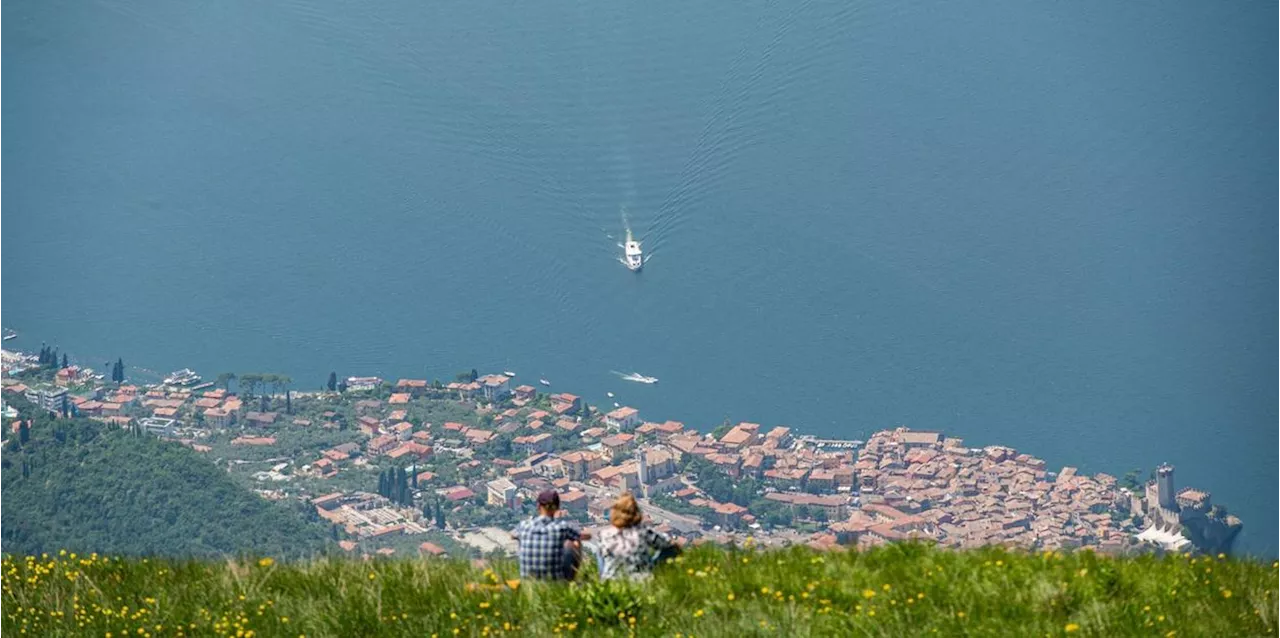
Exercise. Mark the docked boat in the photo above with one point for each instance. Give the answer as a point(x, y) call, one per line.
point(633, 255)
point(185, 376)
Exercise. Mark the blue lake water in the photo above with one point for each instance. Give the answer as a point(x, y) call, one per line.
point(1046, 225)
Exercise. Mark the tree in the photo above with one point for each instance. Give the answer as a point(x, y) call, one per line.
point(225, 379)
point(1130, 479)
point(288, 403)
point(247, 382)
point(64, 360)
point(440, 522)
point(342, 386)
point(24, 432)
point(117, 373)
point(333, 381)
point(722, 429)
point(474, 375)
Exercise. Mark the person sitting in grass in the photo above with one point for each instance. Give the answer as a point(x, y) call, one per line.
point(630, 548)
point(550, 548)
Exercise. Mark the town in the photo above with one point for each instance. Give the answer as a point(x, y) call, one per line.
point(412, 465)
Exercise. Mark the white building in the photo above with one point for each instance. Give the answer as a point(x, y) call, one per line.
point(363, 383)
point(502, 493)
point(623, 418)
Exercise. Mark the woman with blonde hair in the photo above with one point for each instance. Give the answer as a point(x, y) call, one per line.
point(630, 548)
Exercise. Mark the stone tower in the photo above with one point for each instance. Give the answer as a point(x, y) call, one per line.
point(1164, 487)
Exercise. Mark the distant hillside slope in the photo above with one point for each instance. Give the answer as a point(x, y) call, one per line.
point(77, 486)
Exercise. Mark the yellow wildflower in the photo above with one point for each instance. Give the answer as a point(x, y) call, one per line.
point(266, 562)
point(1072, 627)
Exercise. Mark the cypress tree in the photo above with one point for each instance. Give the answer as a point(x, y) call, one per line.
point(333, 381)
point(24, 432)
point(64, 360)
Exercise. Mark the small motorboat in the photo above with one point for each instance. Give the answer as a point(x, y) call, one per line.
point(634, 256)
point(508, 373)
point(544, 382)
point(639, 378)
point(609, 394)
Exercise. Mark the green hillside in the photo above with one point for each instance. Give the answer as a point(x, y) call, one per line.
point(76, 485)
point(903, 590)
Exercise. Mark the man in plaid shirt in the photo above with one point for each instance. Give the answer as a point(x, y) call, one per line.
point(550, 547)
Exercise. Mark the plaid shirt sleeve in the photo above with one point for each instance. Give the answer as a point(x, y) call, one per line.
point(569, 531)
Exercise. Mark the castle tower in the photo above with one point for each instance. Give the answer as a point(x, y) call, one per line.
point(1164, 487)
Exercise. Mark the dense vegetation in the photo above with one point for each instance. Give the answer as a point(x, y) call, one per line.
point(902, 590)
point(75, 484)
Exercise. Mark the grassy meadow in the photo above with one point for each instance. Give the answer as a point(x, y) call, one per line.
point(900, 590)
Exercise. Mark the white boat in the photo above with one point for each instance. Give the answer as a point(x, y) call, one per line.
point(544, 382)
point(639, 378)
point(9, 334)
point(610, 394)
point(185, 376)
point(634, 256)
point(508, 373)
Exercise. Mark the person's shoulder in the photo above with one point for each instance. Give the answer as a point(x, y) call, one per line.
point(654, 535)
point(565, 523)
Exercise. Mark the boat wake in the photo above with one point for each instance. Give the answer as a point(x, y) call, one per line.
point(635, 377)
